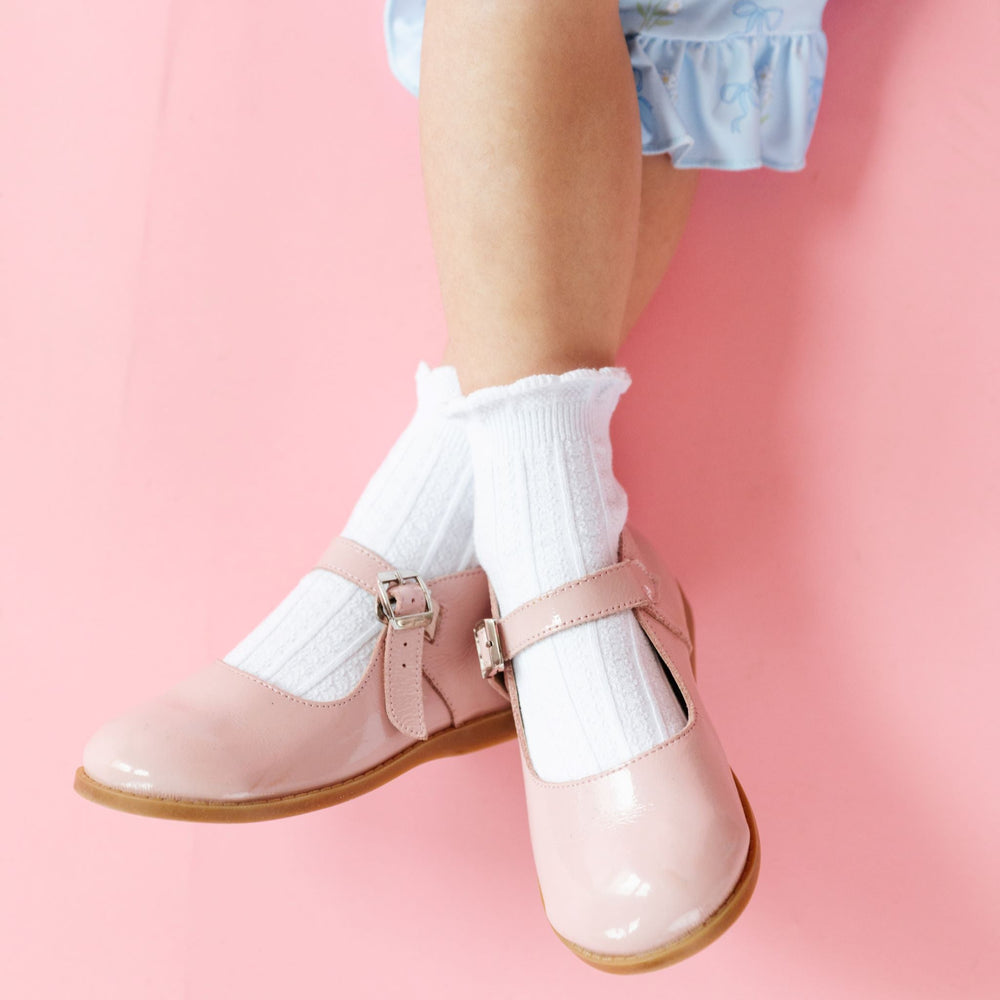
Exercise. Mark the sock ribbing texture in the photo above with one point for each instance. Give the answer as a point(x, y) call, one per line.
point(548, 509)
point(416, 512)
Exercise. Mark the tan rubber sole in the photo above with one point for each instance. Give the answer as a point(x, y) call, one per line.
point(476, 735)
point(702, 935)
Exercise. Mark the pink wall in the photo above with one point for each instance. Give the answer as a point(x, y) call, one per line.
point(211, 219)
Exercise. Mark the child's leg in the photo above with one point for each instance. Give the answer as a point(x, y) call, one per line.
point(667, 194)
point(533, 170)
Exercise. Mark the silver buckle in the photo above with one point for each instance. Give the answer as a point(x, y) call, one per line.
point(384, 608)
point(487, 640)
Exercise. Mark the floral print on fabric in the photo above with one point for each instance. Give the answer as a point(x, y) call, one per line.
point(655, 15)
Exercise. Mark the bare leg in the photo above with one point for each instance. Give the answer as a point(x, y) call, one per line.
point(667, 195)
point(534, 178)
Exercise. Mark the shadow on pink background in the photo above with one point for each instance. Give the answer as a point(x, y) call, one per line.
point(215, 283)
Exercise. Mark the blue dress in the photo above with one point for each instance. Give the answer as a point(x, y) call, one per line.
point(729, 84)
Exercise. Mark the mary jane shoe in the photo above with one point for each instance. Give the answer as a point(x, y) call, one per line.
point(224, 746)
point(643, 864)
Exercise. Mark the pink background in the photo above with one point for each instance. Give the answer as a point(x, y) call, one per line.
point(211, 223)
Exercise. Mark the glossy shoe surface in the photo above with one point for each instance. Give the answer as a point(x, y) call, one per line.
point(224, 746)
point(643, 864)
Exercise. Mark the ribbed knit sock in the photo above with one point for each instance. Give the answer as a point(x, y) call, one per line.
point(548, 509)
point(415, 512)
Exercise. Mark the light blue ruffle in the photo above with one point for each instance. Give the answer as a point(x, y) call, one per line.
point(721, 84)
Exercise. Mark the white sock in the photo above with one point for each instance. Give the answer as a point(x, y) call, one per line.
point(548, 510)
point(415, 512)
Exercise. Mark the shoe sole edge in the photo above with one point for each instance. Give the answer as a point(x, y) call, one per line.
point(478, 734)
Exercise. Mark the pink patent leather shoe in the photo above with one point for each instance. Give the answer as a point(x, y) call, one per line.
point(223, 746)
point(644, 864)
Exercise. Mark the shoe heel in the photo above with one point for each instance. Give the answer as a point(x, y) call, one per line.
point(475, 735)
point(689, 616)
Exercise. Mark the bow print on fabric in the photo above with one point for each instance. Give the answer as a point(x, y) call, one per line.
point(759, 20)
point(745, 96)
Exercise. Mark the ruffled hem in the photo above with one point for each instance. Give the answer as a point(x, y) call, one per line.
point(734, 103)
point(731, 104)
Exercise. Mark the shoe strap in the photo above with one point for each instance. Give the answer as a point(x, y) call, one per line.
point(404, 603)
point(354, 562)
point(626, 584)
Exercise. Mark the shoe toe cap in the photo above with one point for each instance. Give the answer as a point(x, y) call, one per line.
point(161, 750)
point(203, 739)
point(640, 901)
point(637, 859)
